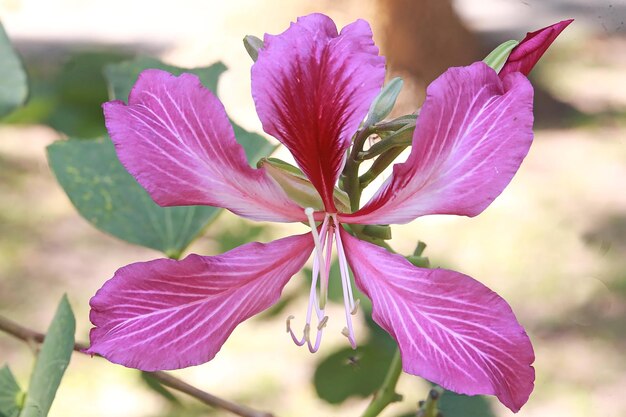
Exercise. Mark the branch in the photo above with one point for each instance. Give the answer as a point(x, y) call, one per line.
point(28, 335)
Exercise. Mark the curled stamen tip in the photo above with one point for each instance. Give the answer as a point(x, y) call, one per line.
point(289, 323)
point(355, 309)
point(307, 332)
point(322, 323)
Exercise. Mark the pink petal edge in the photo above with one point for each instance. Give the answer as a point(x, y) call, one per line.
point(174, 137)
point(451, 329)
point(472, 134)
point(312, 87)
point(167, 314)
point(525, 55)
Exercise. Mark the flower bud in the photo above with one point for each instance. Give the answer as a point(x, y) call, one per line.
point(384, 102)
point(497, 58)
point(252, 45)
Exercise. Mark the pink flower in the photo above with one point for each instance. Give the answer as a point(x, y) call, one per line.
point(312, 88)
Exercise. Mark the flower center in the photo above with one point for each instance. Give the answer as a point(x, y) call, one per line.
point(318, 295)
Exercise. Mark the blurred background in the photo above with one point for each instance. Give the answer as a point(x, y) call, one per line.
point(553, 244)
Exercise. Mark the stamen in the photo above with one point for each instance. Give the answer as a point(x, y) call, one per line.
point(297, 341)
point(348, 301)
point(322, 323)
point(318, 249)
point(320, 264)
point(324, 279)
point(343, 269)
point(357, 303)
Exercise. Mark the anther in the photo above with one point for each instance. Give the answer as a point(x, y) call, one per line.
point(307, 332)
point(289, 323)
point(355, 309)
point(345, 332)
point(322, 323)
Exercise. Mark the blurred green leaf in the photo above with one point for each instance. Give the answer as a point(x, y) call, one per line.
point(457, 405)
point(67, 89)
point(13, 82)
point(80, 90)
point(110, 198)
point(255, 145)
point(122, 76)
point(106, 195)
point(347, 372)
point(9, 392)
point(53, 359)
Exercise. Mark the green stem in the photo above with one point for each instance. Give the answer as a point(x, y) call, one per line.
point(402, 137)
point(387, 393)
point(380, 164)
point(430, 407)
point(350, 176)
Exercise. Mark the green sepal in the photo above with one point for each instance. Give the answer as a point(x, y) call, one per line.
point(497, 58)
point(252, 45)
point(419, 249)
point(297, 186)
point(379, 231)
point(419, 261)
point(384, 102)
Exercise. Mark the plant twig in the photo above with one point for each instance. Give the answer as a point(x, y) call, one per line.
point(27, 335)
point(387, 393)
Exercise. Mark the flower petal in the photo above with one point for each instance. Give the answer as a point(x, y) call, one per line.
point(174, 137)
point(312, 87)
point(472, 134)
point(167, 314)
point(451, 329)
point(525, 55)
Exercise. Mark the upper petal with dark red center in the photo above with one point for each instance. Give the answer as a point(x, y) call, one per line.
point(174, 137)
point(312, 87)
point(167, 314)
point(451, 329)
point(525, 55)
point(471, 136)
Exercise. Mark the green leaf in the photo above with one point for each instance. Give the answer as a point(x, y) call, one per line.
point(9, 394)
point(122, 76)
point(53, 359)
point(255, 145)
point(347, 372)
point(106, 195)
point(457, 405)
point(13, 83)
